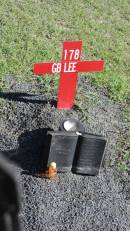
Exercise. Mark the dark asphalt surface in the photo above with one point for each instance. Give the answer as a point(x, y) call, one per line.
point(73, 202)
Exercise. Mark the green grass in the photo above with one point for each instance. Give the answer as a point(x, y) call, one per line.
point(33, 31)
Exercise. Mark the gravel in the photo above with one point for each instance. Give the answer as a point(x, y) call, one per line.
point(73, 202)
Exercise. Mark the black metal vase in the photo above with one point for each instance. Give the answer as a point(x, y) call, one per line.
point(61, 149)
point(89, 154)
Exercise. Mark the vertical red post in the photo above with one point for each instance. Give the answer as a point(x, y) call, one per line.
point(67, 85)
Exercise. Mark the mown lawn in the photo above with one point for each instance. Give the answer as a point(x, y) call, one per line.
point(34, 30)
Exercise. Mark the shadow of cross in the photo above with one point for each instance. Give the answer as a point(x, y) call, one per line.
point(68, 69)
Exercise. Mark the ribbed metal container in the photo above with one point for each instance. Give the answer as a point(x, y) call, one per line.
point(89, 154)
point(62, 146)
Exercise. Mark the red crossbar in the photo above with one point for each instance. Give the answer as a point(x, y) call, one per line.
point(68, 69)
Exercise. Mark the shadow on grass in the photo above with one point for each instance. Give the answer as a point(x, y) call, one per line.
point(31, 98)
point(32, 153)
point(26, 98)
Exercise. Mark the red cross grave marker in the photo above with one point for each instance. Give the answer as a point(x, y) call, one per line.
point(68, 69)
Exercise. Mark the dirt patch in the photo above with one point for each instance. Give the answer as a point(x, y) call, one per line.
point(73, 202)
